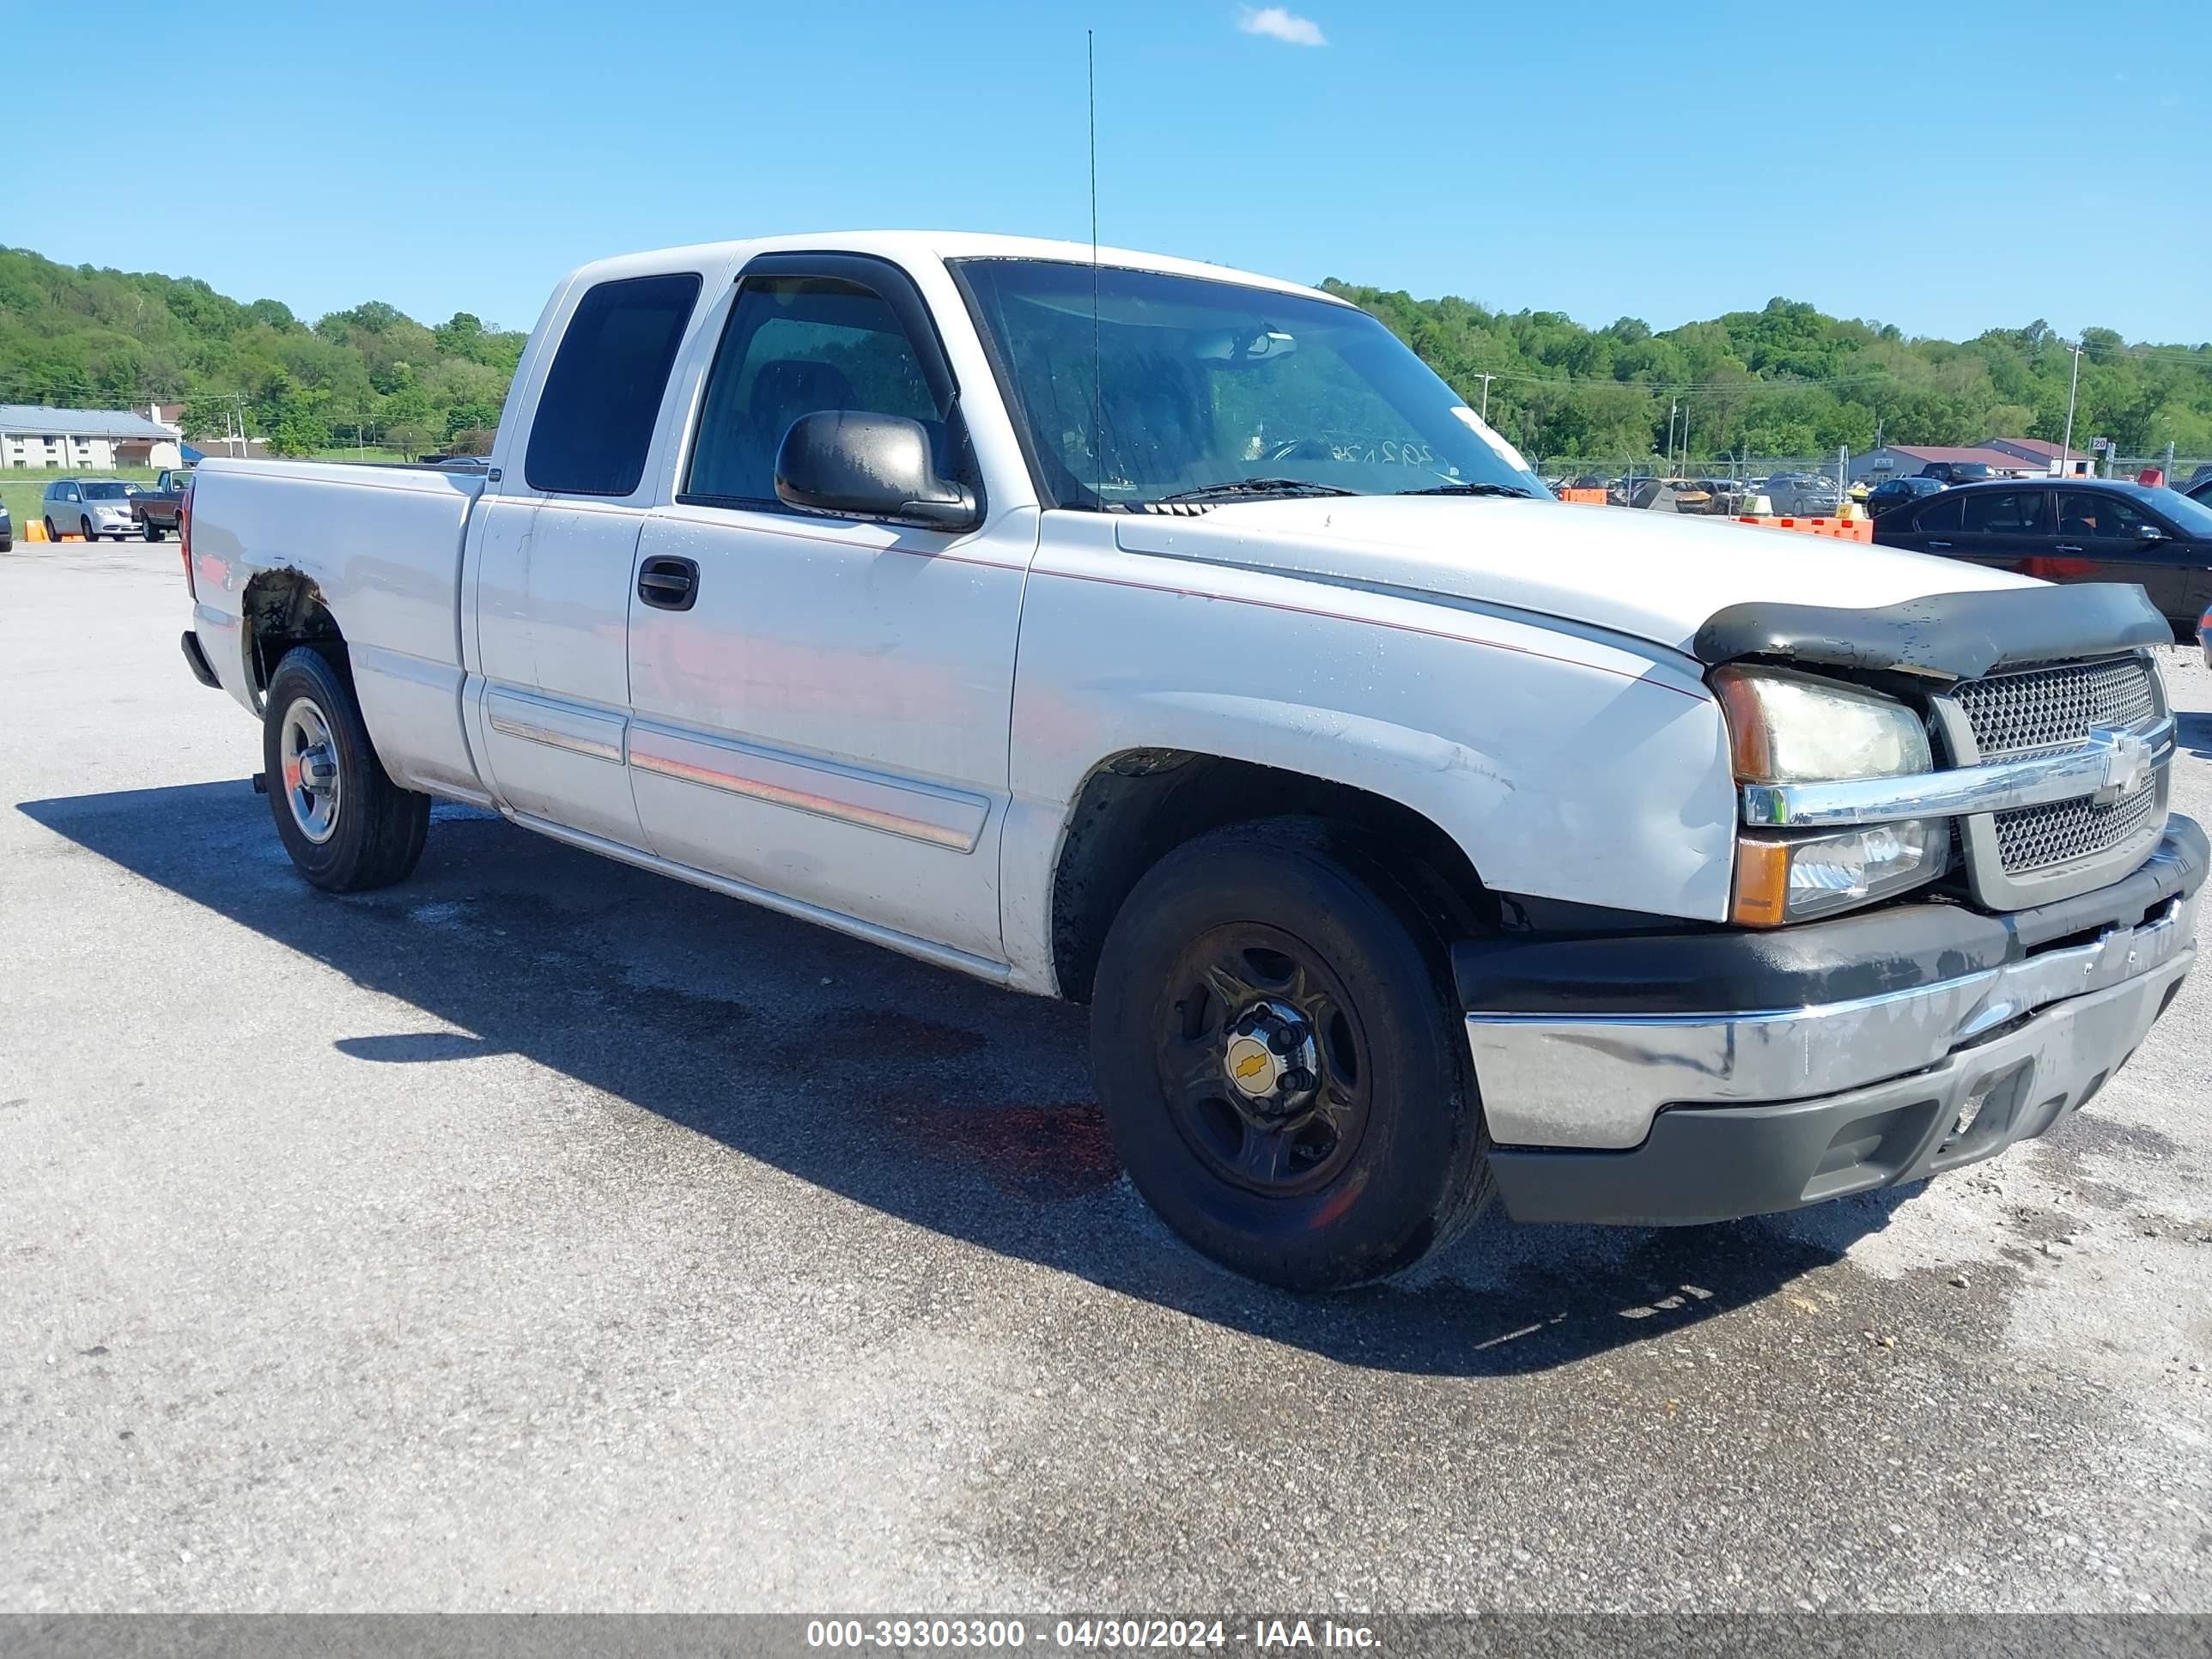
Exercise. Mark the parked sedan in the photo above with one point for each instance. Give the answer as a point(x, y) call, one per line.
point(2072, 531)
point(1893, 493)
point(91, 508)
point(1804, 494)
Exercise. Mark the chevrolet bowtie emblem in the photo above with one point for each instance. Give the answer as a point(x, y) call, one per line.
point(2127, 758)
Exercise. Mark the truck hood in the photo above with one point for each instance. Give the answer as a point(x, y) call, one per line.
point(1655, 576)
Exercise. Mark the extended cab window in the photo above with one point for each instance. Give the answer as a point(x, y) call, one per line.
point(795, 345)
point(595, 417)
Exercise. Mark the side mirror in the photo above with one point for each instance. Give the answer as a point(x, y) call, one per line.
point(2150, 532)
point(857, 466)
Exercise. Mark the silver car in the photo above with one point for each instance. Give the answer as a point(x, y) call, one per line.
point(1804, 494)
point(91, 508)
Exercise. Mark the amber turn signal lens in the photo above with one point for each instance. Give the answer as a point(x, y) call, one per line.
point(1750, 753)
point(1762, 882)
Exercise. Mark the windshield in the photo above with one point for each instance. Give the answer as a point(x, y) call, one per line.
point(1202, 386)
point(2192, 518)
point(109, 492)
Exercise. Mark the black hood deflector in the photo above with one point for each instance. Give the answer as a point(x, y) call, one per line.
point(1951, 636)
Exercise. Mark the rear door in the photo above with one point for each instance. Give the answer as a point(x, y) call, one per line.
point(1933, 528)
point(2006, 528)
point(552, 541)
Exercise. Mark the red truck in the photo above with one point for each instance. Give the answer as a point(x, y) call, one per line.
point(155, 511)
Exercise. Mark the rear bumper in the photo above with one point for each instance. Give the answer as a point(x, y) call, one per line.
point(1696, 1077)
point(196, 660)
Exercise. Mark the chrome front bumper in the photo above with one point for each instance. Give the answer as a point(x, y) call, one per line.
point(1597, 1082)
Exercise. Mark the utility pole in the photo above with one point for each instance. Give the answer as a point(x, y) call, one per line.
point(2066, 446)
point(1673, 406)
point(1486, 380)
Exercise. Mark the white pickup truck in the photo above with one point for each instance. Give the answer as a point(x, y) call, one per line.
point(1143, 633)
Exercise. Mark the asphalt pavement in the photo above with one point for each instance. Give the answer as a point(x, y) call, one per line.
point(541, 1234)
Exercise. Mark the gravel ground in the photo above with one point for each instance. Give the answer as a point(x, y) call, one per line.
point(543, 1235)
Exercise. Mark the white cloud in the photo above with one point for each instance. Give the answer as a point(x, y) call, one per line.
point(1279, 23)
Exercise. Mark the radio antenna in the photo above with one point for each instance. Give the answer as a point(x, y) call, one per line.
point(1098, 391)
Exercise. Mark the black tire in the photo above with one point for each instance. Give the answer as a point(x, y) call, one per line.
point(89, 535)
point(153, 531)
point(53, 535)
point(1390, 1161)
point(373, 831)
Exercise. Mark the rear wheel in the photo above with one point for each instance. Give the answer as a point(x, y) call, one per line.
point(1280, 1062)
point(346, 826)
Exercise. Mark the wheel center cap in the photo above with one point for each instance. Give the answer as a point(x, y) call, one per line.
point(1253, 1070)
point(1272, 1061)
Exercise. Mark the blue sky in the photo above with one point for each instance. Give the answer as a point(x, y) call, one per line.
point(1947, 168)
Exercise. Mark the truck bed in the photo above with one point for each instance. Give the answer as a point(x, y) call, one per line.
point(382, 545)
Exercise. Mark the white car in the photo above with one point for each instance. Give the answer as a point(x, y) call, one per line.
point(1172, 640)
point(91, 508)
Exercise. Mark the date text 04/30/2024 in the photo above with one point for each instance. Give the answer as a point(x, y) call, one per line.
point(1090, 1635)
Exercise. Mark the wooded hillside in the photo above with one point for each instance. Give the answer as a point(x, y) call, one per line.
point(1785, 380)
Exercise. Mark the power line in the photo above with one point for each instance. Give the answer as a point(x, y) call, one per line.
point(1752, 384)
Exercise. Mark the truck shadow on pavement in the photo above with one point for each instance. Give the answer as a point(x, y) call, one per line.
point(926, 1097)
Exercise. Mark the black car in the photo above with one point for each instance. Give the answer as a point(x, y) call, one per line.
point(2072, 531)
point(1958, 472)
point(2200, 490)
point(1893, 493)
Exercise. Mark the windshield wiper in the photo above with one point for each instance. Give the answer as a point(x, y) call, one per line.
point(1471, 490)
point(1244, 486)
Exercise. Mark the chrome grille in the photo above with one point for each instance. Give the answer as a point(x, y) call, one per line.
point(2060, 831)
point(2043, 708)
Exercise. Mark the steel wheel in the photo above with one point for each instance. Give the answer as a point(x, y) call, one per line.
point(310, 771)
point(1263, 1061)
point(1279, 1058)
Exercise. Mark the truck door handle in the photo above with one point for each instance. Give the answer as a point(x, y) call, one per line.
point(2066, 547)
point(1939, 543)
point(668, 584)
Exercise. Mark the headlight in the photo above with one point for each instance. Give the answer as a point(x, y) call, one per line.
point(1781, 879)
point(1792, 728)
point(1785, 727)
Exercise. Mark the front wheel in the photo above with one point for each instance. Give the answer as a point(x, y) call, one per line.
point(88, 534)
point(153, 530)
point(346, 826)
point(1280, 1062)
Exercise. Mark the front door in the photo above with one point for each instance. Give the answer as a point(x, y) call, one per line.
point(551, 546)
point(820, 707)
point(2111, 540)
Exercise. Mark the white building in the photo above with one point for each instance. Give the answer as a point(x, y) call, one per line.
point(83, 440)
